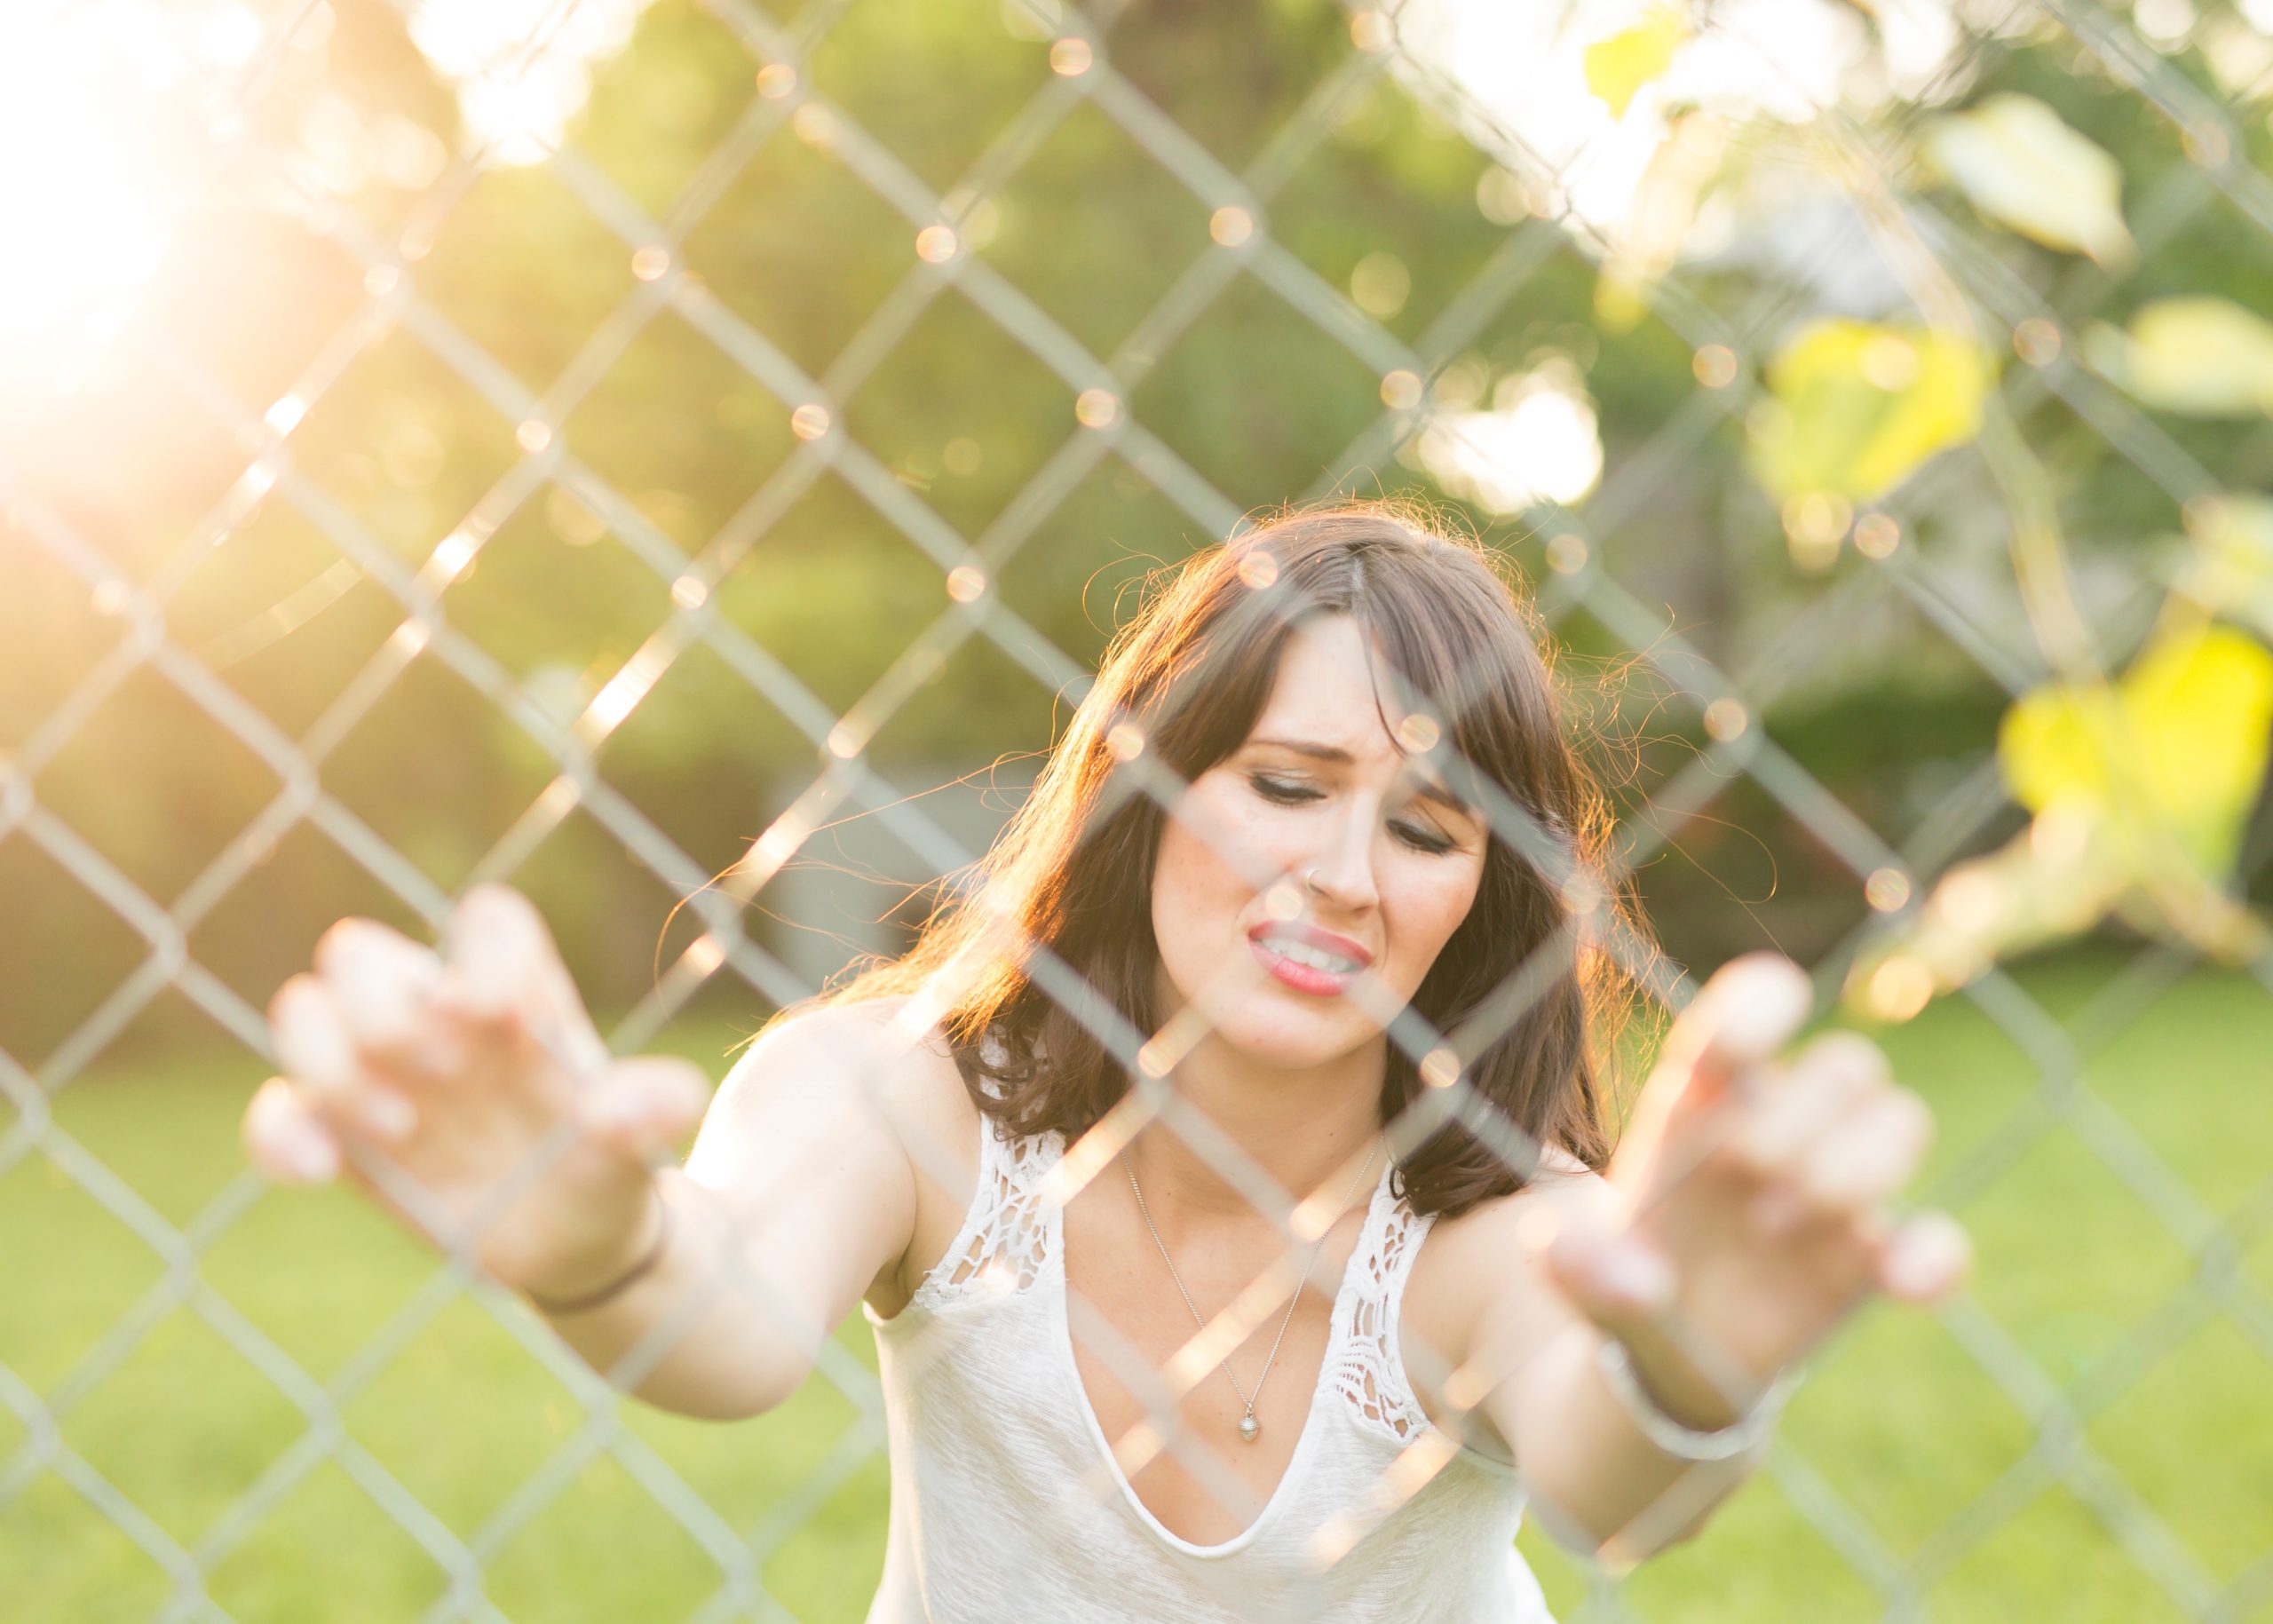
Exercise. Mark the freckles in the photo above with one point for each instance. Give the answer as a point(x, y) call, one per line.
point(1218, 833)
point(1194, 878)
point(1442, 903)
point(1191, 860)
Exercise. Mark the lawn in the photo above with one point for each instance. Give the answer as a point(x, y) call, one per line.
point(1898, 1432)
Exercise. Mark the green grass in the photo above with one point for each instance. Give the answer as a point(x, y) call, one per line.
point(1899, 1422)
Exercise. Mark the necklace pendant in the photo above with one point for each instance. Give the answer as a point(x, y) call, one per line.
point(1249, 1426)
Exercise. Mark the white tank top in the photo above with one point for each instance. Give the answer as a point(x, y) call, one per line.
point(1006, 1504)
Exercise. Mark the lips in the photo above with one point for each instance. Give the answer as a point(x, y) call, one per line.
point(1312, 935)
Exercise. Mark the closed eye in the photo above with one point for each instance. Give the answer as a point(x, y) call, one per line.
point(1283, 794)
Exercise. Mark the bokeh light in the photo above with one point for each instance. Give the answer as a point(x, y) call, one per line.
point(1540, 442)
point(523, 67)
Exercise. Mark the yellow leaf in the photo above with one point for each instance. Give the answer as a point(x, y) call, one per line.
point(1618, 304)
point(2204, 357)
point(1857, 407)
point(2025, 168)
point(1618, 67)
point(2188, 723)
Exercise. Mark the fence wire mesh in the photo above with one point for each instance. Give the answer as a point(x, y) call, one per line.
point(2195, 82)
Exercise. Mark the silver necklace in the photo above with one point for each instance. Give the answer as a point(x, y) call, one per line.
point(1248, 1426)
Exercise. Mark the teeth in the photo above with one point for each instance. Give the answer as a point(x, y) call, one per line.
point(1317, 958)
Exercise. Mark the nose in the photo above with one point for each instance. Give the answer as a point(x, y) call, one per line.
point(1342, 871)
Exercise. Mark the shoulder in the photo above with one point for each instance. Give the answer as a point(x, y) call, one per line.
point(1463, 1252)
point(874, 1036)
point(872, 1050)
point(861, 1103)
point(1563, 1181)
point(864, 1070)
point(903, 1075)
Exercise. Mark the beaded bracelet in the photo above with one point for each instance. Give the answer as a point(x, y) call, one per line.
point(594, 1299)
point(1687, 1443)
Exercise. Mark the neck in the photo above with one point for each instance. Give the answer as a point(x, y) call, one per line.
point(1307, 1130)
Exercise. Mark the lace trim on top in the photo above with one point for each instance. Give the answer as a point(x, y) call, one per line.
point(1004, 1245)
point(1005, 1238)
point(1364, 1367)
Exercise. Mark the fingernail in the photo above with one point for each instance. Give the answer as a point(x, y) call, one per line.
point(487, 988)
point(364, 961)
point(439, 1052)
point(311, 1043)
point(1636, 1275)
point(485, 919)
point(310, 1156)
point(619, 1110)
point(1909, 1272)
point(391, 1116)
point(1774, 1001)
point(1925, 1261)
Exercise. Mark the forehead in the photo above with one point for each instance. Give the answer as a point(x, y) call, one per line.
point(1331, 687)
point(1324, 707)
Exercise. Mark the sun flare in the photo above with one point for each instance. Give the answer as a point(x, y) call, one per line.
point(87, 194)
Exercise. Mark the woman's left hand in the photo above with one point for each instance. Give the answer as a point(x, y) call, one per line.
point(1754, 1198)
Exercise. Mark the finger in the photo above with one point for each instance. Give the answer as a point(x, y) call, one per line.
point(648, 1104)
point(314, 1047)
point(1744, 1015)
point(1869, 1155)
point(1926, 1259)
point(286, 1138)
point(504, 973)
point(1735, 1023)
point(1611, 1276)
point(382, 984)
point(1829, 1078)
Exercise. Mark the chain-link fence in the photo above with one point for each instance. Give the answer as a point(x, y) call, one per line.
point(2056, 1462)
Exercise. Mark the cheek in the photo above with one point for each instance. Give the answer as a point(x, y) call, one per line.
point(1216, 839)
point(1435, 901)
point(1193, 878)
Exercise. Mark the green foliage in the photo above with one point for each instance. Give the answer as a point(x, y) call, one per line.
point(2204, 357)
point(2022, 167)
point(794, 278)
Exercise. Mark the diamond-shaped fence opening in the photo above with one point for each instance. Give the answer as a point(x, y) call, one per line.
point(686, 459)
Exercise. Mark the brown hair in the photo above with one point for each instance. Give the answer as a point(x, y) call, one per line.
point(1073, 870)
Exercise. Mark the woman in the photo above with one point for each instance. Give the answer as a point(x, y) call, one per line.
point(1367, 965)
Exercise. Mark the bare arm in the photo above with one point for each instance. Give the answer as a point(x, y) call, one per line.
point(434, 1084)
point(797, 1196)
point(1742, 1218)
point(1599, 1482)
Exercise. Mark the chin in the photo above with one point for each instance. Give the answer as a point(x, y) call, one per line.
point(1294, 1037)
point(1272, 1024)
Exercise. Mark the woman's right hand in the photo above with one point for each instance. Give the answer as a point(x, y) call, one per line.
point(461, 1070)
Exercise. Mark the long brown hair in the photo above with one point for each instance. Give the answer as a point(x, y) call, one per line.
point(1072, 868)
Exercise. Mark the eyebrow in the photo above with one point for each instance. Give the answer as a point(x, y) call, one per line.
point(1429, 789)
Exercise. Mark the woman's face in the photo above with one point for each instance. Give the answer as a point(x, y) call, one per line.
point(1321, 787)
